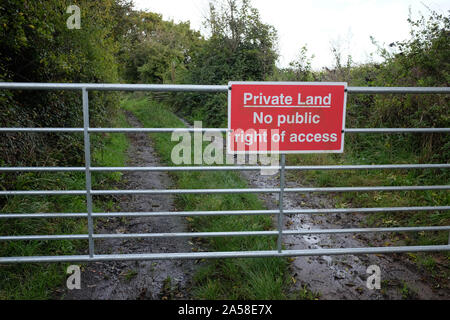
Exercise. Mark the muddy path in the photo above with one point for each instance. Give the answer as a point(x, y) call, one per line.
point(124, 280)
point(342, 277)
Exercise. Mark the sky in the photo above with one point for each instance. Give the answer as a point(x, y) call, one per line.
point(317, 23)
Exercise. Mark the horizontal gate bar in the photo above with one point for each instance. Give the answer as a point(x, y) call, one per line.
point(170, 130)
point(224, 254)
point(195, 88)
point(220, 234)
point(362, 189)
point(223, 130)
point(395, 130)
point(112, 87)
point(46, 169)
point(365, 210)
point(139, 214)
point(42, 215)
point(156, 130)
point(246, 190)
point(218, 213)
point(43, 193)
point(390, 90)
point(347, 130)
point(25, 129)
point(369, 167)
point(233, 168)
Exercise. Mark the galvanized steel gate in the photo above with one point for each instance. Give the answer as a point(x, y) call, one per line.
point(89, 193)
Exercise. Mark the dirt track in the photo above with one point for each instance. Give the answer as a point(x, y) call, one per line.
point(139, 279)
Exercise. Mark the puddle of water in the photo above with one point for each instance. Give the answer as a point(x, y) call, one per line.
point(336, 277)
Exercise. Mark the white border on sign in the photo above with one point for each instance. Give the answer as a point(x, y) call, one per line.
point(314, 83)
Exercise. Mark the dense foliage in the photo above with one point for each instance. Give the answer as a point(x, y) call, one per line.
point(37, 46)
point(154, 50)
point(423, 60)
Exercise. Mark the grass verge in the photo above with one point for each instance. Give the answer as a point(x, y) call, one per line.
point(38, 281)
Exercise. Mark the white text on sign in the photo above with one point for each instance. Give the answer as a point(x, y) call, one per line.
point(281, 100)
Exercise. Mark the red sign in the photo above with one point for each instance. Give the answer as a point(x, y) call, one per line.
point(287, 117)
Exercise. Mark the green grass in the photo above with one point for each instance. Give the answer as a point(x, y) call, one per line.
point(256, 278)
point(38, 281)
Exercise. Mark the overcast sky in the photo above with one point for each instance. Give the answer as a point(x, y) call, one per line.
point(316, 23)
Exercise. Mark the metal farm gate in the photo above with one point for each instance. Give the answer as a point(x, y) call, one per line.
point(89, 193)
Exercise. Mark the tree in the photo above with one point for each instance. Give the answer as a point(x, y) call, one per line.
point(156, 51)
point(301, 67)
point(240, 47)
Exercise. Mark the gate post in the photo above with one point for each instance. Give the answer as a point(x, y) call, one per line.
point(87, 161)
point(280, 200)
